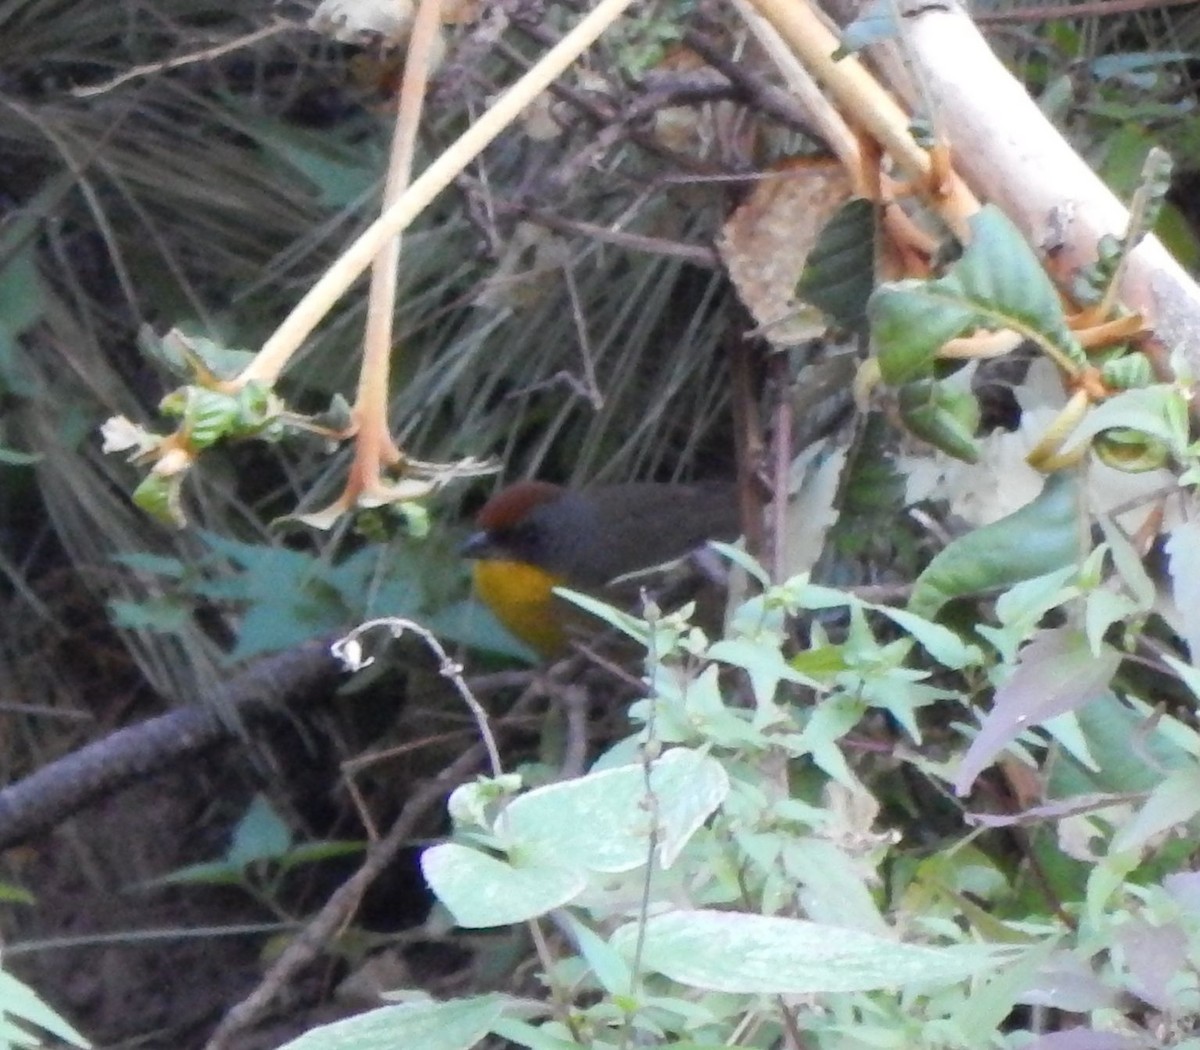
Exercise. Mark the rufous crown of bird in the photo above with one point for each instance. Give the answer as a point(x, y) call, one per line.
point(533, 536)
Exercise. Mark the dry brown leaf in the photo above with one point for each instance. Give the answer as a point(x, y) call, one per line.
point(766, 242)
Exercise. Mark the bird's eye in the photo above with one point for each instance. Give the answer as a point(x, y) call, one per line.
point(522, 539)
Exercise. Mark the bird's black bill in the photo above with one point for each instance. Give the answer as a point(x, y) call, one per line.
point(477, 545)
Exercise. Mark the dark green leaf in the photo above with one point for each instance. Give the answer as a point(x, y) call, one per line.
point(943, 414)
point(1040, 537)
point(840, 273)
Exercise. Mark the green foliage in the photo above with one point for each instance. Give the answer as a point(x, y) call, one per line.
point(997, 284)
point(261, 854)
point(1040, 537)
point(23, 1012)
point(942, 414)
point(839, 274)
point(733, 849)
point(288, 597)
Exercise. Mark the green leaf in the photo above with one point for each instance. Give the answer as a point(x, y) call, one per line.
point(10, 457)
point(997, 284)
point(453, 1025)
point(1056, 672)
point(208, 873)
point(609, 966)
point(840, 272)
point(1173, 802)
point(481, 891)
point(940, 642)
point(1158, 411)
point(162, 498)
point(1037, 539)
point(323, 849)
point(601, 821)
point(769, 955)
point(18, 1000)
point(259, 835)
point(533, 1036)
point(943, 414)
point(13, 894)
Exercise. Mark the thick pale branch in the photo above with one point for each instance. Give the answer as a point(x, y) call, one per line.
point(1012, 155)
point(307, 313)
point(861, 99)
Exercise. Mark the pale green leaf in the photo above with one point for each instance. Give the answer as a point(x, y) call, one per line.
point(453, 1025)
point(771, 955)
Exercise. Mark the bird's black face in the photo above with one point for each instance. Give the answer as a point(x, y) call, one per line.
point(524, 541)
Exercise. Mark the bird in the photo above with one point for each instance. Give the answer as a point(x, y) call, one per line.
point(533, 536)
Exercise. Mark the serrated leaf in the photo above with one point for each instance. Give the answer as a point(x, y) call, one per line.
point(840, 273)
point(997, 284)
point(769, 955)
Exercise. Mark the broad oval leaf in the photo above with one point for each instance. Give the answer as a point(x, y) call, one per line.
point(481, 891)
point(770, 955)
point(601, 822)
point(453, 1025)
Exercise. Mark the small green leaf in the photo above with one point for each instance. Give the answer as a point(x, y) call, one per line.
point(1036, 539)
point(161, 496)
point(943, 415)
point(609, 966)
point(940, 642)
point(18, 1000)
point(259, 835)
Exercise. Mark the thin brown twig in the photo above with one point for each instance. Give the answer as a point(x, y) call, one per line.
point(277, 26)
point(341, 906)
point(696, 254)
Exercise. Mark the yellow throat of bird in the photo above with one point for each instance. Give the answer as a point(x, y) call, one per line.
point(522, 597)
